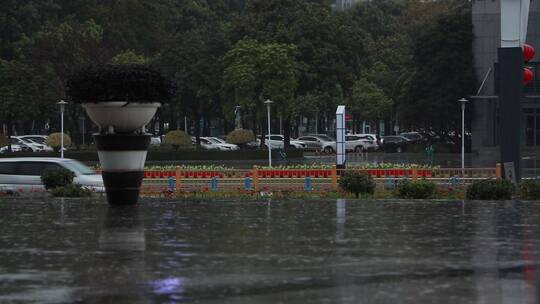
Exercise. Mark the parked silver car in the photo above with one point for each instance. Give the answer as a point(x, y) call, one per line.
point(24, 174)
point(319, 142)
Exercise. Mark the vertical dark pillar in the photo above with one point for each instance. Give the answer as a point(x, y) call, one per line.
point(122, 158)
point(510, 95)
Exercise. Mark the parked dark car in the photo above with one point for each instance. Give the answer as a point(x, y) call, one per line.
point(394, 144)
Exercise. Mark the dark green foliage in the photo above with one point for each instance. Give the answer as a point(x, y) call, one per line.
point(357, 183)
point(530, 189)
point(490, 189)
point(133, 83)
point(54, 178)
point(422, 189)
point(443, 72)
point(71, 190)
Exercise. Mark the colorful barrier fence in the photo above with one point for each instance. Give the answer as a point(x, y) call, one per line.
point(284, 179)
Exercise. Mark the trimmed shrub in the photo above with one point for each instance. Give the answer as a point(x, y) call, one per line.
point(490, 189)
point(240, 137)
point(357, 183)
point(132, 83)
point(71, 190)
point(54, 178)
point(530, 189)
point(4, 141)
point(54, 140)
point(177, 138)
point(421, 189)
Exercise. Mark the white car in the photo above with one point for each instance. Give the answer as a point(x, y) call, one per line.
point(36, 147)
point(24, 174)
point(18, 145)
point(208, 144)
point(277, 141)
point(224, 146)
point(319, 142)
point(360, 143)
point(36, 141)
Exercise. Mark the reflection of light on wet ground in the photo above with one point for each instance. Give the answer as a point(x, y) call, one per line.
point(168, 286)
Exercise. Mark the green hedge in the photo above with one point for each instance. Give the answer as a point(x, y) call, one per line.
point(421, 189)
point(490, 189)
point(156, 155)
point(530, 190)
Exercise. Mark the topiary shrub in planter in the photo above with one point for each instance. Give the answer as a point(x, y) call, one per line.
point(177, 139)
point(490, 189)
point(421, 189)
point(120, 99)
point(54, 140)
point(71, 190)
point(54, 178)
point(530, 189)
point(357, 183)
point(240, 137)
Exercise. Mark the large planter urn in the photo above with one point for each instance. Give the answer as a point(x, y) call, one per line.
point(120, 100)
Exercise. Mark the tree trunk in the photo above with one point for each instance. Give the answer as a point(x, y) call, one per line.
point(198, 129)
point(287, 131)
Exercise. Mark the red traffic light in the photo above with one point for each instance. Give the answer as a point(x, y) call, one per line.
point(527, 76)
point(528, 52)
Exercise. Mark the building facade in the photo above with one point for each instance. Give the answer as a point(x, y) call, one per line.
point(486, 20)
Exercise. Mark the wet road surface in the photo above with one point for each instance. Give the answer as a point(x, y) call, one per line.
point(83, 251)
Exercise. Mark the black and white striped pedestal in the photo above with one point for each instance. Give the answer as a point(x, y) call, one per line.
point(122, 160)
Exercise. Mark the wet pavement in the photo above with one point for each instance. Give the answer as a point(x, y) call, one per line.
point(81, 251)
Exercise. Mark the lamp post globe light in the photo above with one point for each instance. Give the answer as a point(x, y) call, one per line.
point(463, 102)
point(120, 100)
point(62, 104)
point(268, 102)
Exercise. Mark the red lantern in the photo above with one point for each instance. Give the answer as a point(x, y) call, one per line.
point(528, 52)
point(527, 76)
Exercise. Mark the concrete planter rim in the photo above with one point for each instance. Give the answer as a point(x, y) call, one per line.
point(124, 116)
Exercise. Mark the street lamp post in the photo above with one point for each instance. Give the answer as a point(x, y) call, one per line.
point(268, 102)
point(62, 104)
point(463, 103)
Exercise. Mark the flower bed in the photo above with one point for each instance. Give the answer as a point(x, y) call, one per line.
point(381, 170)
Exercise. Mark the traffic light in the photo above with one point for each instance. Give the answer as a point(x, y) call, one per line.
point(528, 54)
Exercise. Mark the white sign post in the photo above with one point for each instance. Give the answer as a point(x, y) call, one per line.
point(340, 137)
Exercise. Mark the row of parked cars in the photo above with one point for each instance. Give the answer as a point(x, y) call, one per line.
point(318, 142)
point(314, 142)
point(27, 143)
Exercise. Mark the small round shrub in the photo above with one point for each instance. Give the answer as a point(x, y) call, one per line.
point(71, 190)
point(54, 178)
point(530, 189)
point(357, 183)
point(177, 138)
point(490, 189)
point(421, 189)
point(4, 141)
point(240, 137)
point(54, 140)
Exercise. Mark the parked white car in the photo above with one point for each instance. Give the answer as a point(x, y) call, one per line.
point(212, 144)
point(24, 173)
point(277, 141)
point(319, 142)
point(224, 146)
point(17, 145)
point(36, 147)
point(360, 143)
